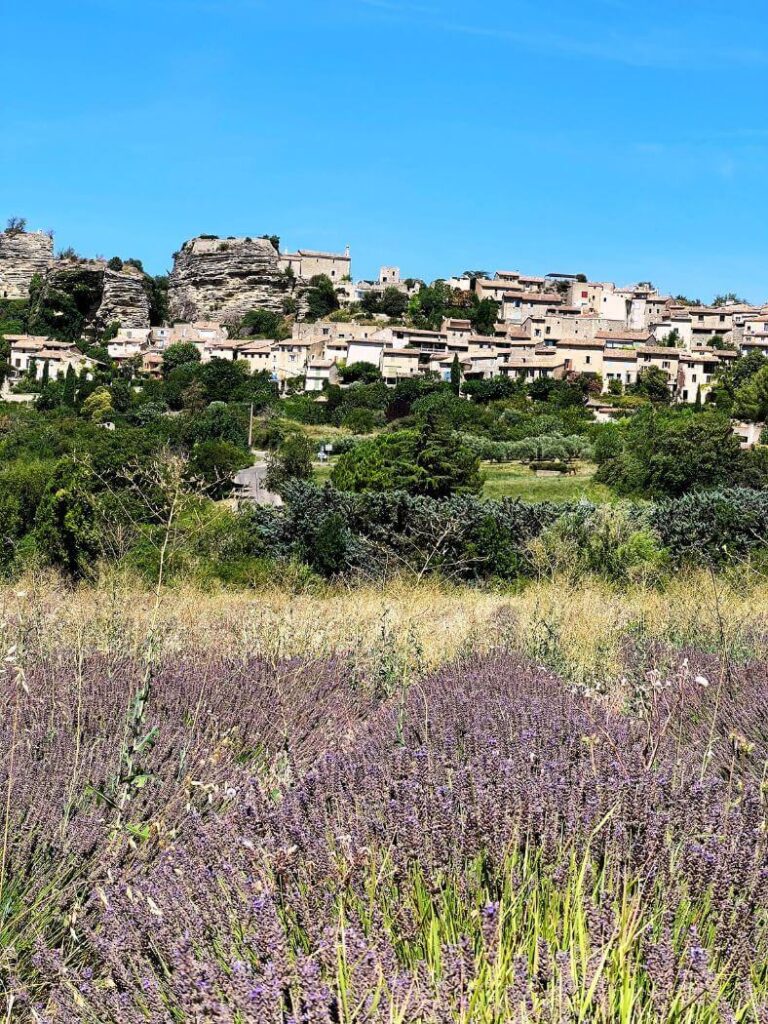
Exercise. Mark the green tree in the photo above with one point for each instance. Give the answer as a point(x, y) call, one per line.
point(67, 531)
point(393, 303)
point(484, 316)
point(70, 387)
point(291, 461)
point(98, 405)
point(157, 292)
point(219, 422)
point(263, 323)
point(456, 374)
point(179, 354)
point(367, 373)
point(321, 297)
point(443, 465)
point(665, 453)
point(371, 304)
point(751, 398)
point(652, 383)
point(731, 378)
point(215, 464)
point(430, 461)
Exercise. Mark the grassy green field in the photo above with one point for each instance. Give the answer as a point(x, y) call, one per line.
point(514, 480)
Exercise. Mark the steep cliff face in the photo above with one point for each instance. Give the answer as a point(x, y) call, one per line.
point(22, 255)
point(124, 299)
point(222, 279)
point(86, 295)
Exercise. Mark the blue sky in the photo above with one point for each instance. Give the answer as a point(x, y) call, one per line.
point(628, 141)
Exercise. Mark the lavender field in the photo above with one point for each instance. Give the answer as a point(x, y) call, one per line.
point(224, 837)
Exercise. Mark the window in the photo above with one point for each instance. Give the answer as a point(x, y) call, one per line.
point(588, 359)
point(693, 377)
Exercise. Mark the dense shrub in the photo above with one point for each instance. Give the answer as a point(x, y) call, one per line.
point(431, 461)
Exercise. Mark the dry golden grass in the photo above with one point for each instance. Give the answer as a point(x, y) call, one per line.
point(581, 630)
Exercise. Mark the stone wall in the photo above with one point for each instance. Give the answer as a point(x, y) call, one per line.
point(22, 255)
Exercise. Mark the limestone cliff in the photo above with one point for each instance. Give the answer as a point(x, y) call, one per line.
point(22, 255)
point(222, 279)
point(90, 296)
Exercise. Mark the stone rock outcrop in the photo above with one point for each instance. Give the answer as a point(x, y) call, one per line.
point(124, 299)
point(22, 255)
point(223, 279)
point(101, 295)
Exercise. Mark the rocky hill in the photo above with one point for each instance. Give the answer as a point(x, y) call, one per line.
point(90, 295)
point(222, 279)
point(22, 255)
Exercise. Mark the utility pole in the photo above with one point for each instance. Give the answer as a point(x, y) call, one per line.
point(250, 428)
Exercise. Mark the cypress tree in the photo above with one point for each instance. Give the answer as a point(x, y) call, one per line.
point(70, 385)
point(456, 374)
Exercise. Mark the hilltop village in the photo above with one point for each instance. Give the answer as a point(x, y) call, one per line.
point(301, 317)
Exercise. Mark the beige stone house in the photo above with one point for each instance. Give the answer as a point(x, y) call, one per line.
point(402, 363)
point(695, 375)
point(412, 337)
point(336, 350)
point(534, 365)
point(290, 358)
point(258, 356)
point(320, 373)
point(582, 355)
point(59, 360)
point(519, 306)
point(25, 348)
point(367, 350)
point(455, 329)
point(624, 337)
point(27, 351)
point(129, 343)
point(228, 349)
point(666, 359)
point(619, 364)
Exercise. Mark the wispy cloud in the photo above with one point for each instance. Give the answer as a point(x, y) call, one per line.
point(606, 45)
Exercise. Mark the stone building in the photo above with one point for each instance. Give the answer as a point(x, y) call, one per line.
point(307, 264)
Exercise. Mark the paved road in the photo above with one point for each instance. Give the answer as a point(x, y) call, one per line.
point(250, 485)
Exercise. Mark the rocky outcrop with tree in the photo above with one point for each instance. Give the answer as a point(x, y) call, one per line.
point(223, 279)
